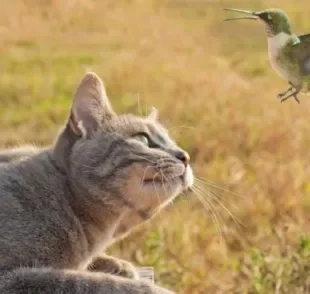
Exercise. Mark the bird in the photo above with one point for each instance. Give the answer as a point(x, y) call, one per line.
point(289, 54)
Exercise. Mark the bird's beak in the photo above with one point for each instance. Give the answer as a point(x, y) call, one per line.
point(253, 16)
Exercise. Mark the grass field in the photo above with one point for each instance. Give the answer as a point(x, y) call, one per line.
point(214, 88)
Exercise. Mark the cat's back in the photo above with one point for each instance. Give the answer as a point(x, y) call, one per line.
point(18, 153)
point(35, 216)
point(28, 181)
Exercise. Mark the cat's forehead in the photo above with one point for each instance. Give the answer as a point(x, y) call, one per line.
point(131, 125)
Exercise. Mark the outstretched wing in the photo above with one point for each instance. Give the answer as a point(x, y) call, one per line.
point(302, 52)
point(304, 38)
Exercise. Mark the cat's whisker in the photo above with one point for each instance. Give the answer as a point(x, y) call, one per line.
point(218, 214)
point(235, 219)
point(187, 198)
point(145, 158)
point(144, 175)
point(208, 182)
point(214, 197)
point(175, 207)
point(162, 181)
point(216, 194)
point(213, 215)
point(139, 105)
point(183, 126)
point(169, 182)
point(207, 205)
point(164, 186)
point(209, 198)
point(154, 184)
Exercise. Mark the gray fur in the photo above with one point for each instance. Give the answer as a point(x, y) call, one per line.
point(60, 207)
point(17, 154)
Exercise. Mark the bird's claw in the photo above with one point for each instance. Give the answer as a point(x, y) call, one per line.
point(293, 94)
point(295, 97)
point(280, 95)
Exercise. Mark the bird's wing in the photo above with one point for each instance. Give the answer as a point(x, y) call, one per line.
point(302, 50)
point(304, 38)
point(306, 66)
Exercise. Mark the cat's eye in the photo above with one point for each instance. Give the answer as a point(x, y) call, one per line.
point(143, 139)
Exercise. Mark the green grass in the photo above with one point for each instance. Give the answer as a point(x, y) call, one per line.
point(213, 78)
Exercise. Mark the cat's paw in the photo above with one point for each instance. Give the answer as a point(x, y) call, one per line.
point(114, 266)
point(154, 289)
point(127, 270)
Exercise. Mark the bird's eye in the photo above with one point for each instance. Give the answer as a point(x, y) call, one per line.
point(269, 16)
point(143, 139)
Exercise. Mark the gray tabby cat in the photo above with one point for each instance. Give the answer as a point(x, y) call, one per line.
point(60, 207)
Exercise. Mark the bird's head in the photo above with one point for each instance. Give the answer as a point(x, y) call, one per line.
point(275, 20)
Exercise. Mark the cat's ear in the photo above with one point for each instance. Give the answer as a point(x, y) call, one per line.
point(90, 107)
point(153, 115)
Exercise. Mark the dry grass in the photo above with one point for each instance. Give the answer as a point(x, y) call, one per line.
point(210, 76)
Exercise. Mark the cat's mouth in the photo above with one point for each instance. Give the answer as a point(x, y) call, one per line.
point(157, 180)
point(185, 179)
point(153, 181)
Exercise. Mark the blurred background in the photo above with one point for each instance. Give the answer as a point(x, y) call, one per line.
point(215, 91)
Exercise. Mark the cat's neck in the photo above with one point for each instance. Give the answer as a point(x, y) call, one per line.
point(95, 223)
point(99, 220)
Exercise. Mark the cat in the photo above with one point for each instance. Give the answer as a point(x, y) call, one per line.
point(61, 206)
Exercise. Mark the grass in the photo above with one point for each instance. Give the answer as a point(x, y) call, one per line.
point(200, 72)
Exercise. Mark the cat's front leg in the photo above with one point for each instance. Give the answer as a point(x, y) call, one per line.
point(55, 281)
point(114, 266)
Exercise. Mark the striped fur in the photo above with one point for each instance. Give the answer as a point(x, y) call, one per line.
point(61, 206)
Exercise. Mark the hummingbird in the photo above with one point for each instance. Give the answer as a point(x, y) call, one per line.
point(289, 54)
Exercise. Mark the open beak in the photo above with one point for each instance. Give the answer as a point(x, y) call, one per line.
point(253, 14)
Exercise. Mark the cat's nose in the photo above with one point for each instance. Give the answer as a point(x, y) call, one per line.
point(183, 156)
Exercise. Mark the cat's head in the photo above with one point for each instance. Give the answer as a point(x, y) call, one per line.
point(120, 160)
